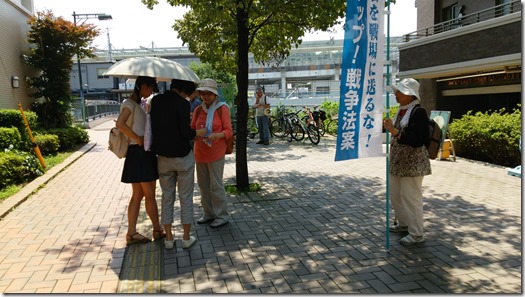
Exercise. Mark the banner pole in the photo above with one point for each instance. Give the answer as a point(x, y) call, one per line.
point(387, 136)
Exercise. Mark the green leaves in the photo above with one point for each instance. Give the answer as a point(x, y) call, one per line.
point(55, 42)
point(491, 137)
point(223, 33)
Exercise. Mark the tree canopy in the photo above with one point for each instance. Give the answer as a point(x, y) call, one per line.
point(224, 32)
point(55, 41)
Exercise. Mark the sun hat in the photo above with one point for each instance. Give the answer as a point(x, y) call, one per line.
point(407, 86)
point(208, 84)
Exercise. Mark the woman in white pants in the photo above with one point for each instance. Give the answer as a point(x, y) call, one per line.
point(409, 161)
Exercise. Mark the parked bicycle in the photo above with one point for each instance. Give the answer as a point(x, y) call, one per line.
point(297, 129)
point(253, 129)
point(331, 125)
point(319, 118)
point(278, 123)
point(315, 118)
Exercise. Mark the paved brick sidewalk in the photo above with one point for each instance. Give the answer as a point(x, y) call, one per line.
point(318, 226)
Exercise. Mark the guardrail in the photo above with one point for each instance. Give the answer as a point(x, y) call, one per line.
point(479, 16)
point(94, 109)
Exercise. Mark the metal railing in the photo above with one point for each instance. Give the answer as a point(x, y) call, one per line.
point(94, 109)
point(469, 19)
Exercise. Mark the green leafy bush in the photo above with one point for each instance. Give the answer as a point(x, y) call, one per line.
point(69, 137)
point(13, 118)
point(18, 167)
point(330, 107)
point(9, 137)
point(47, 143)
point(488, 137)
point(393, 111)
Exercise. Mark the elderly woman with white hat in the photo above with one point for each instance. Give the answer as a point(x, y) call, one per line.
point(409, 161)
point(210, 153)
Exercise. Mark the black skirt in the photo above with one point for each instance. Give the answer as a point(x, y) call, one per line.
point(140, 166)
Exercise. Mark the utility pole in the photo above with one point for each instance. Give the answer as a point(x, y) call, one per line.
point(110, 57)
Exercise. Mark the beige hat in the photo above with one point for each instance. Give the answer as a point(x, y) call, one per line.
point(407, 86)
point(208, 84)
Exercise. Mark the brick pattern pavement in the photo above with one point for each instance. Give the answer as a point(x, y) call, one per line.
point(317, 226)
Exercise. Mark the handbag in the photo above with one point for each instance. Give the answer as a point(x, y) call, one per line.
point(267, 111)
point(118, 142)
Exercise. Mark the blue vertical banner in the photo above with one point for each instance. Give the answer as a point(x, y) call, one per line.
point(360, 106)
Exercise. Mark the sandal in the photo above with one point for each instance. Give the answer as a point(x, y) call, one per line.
point(158, 234)
point(136, 238)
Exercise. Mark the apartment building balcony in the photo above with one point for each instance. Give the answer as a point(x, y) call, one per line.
point(484, 41)
point(472, 63)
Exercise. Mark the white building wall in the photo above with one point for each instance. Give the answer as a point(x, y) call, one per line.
point(14, 15)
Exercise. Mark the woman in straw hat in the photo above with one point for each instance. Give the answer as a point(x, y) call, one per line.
point(210, 153)
point(409, 161)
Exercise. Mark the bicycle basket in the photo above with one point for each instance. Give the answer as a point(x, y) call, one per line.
point(322, 114)
point(316, 115)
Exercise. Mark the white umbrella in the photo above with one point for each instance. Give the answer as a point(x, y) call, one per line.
point(159, 68)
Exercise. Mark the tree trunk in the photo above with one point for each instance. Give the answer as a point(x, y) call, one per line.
point(241, 161)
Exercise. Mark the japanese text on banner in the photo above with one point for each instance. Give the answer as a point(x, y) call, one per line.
point(360, 109)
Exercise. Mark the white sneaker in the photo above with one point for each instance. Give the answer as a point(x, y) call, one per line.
point(410, 240)
point(168, 244)
point(186, 244)
point(218, 222)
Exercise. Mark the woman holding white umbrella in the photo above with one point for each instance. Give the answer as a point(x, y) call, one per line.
point(140, 166)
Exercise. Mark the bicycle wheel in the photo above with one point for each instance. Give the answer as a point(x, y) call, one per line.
point(252, 128)
point(332, 127)
point(288, 130)
point(278, 127)
point(297, 130)
point(313, 134)
point(320, 127)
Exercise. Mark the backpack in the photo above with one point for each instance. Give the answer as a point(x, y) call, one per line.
point(118, 142)
point(435, 137)
point(229, 141)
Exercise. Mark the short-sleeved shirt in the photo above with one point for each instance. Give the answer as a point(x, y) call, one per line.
point(139, 117)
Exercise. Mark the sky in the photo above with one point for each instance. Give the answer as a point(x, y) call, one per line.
point(134, 25)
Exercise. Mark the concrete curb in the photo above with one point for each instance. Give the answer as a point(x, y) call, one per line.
point(12, 202)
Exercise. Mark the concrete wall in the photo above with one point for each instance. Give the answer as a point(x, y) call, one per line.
point(13, 28)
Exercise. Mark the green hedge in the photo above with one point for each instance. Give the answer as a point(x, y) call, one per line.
point(10, 138)
point(47, 143)
point(488, 137)
point(13, 118)
point(18, 162)
point(17, 167)
point(69, 137)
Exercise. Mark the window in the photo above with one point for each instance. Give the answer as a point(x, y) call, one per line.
point(325, 90)
point(504, 9)
point(100, 73)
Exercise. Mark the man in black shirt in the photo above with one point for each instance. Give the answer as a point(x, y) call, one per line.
point(171, 136)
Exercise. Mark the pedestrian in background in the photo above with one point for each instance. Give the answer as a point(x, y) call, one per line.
point(194, 100)
point(172, 134)
point(140, 166)
point(263, 122)
point(210, 153)
point(409, 161)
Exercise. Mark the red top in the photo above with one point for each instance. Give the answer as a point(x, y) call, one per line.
point(203, 152)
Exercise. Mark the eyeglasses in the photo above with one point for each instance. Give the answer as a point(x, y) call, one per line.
point(206, 93)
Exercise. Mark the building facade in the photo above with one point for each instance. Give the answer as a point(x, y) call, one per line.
point(14, 15)
point(466, 54)
point(309, 75)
